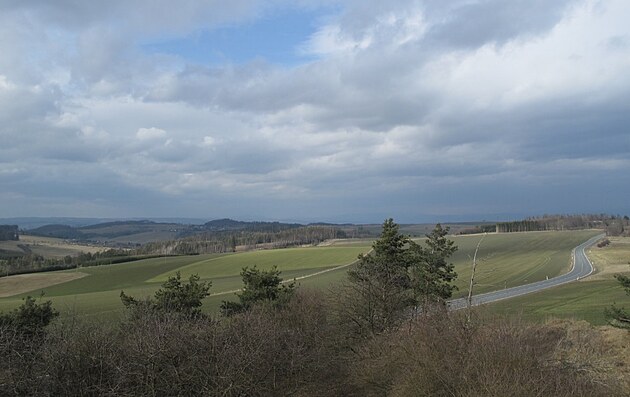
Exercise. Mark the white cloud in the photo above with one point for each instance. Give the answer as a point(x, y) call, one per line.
point(330, 40)
point(151, 133)
point(403, 96)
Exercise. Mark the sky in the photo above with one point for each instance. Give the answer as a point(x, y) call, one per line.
point(305, 110)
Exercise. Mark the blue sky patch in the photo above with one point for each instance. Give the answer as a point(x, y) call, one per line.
point(275, 38)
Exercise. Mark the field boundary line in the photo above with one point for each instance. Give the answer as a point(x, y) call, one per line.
point(317, 273)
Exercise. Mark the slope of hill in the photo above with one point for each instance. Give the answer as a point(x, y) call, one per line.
point(58, 231)
point(114, 233)
point(137, 232)
point(230, 224)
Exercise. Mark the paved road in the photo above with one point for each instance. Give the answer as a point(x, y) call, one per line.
point(582, 267)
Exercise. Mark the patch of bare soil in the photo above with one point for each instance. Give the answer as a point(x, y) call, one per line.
point(21, 283)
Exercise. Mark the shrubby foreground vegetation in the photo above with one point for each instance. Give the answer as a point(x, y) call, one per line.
point(386, 332)
point(619, 316)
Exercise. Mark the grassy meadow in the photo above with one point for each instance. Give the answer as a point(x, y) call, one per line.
point(583, 300)
point(503, 260)
point(98, 292)
point(509, 259)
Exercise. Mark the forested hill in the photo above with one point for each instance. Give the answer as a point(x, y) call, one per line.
point(135, 233)
point(230, 224)
point(248, 238)
point(58, 231)
point(118, 232)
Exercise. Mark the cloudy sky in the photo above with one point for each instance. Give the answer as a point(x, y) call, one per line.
point(343, 111)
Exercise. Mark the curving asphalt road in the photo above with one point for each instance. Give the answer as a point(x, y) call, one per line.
point(582, 267)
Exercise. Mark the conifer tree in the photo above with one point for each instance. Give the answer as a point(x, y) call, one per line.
point(174, 296)
point(618, 316)
point(380, 281)
point(259, 286)
point(431, 273)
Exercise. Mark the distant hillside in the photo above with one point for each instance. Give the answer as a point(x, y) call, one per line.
point(138, 232)
point(227, 232)
point(230, 224)
point(26, 223)
point(114, 233)
point(58, 231)
point(29, 223)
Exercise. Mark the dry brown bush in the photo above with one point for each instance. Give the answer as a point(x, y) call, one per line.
point(443, 354)
point(300, 350)
point(263, 352)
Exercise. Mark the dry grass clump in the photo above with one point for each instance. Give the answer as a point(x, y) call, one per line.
point(603, 352)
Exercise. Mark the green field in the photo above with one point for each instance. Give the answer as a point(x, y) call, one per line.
point(98, 293)
point(505, 260)
point(585, 300)
point(510, 259)
point(297, 261)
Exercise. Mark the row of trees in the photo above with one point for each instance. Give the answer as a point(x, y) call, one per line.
point(562, 222)
point(231, 240)
point(479, 229)
point(618, 226)
point(33, 263)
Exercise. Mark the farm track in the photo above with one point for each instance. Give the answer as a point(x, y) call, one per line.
point(318, 273)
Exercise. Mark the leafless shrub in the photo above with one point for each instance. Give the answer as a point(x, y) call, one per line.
point(446, 355)
point(263, 352)
point(19, 360)
point(301, 350)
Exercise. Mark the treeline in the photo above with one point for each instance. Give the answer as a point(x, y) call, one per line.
point(206, 243)
point(230, 224)
point(9, 233)
point(230, 241)
point(557, 222)
point(479, 229)
point(35, 263)
point(618, 226)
